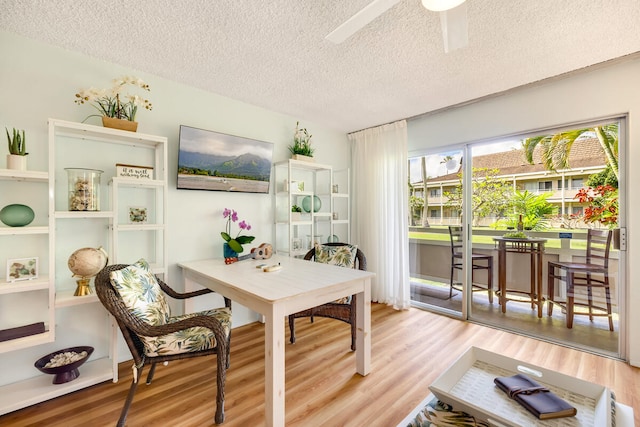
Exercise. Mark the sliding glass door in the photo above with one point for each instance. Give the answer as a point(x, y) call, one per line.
point(435, 206)
point(489, 219)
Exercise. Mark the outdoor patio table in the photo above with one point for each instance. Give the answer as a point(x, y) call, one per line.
point(533, 246)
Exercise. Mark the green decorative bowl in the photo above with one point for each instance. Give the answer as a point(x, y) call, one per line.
point(16, 215)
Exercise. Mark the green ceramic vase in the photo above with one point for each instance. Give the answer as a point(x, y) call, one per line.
point(16, 215)
point(306, 203)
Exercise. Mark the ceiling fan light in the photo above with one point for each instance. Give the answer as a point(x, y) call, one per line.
point(440, 5)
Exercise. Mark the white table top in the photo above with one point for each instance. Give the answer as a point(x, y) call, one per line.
point(295, 278)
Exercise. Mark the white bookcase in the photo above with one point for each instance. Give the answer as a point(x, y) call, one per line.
point(31, 301)
point(81, 320)
point(310, 185)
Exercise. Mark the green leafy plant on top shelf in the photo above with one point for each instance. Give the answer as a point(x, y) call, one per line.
point(296, 208)
point(17, 142)
point(301, 142)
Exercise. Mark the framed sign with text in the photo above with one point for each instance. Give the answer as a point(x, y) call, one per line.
point(133, 171)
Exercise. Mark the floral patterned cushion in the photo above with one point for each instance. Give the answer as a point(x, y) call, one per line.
point(437, 413)
point(192, 339)
point(343, 256)
point(141, 293)
point(143, 296)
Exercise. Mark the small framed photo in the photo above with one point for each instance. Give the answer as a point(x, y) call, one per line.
point(296, 244)
point(297, 186)
point(22, 269)
point(137, 214)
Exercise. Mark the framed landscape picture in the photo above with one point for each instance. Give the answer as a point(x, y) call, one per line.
point(216, 161)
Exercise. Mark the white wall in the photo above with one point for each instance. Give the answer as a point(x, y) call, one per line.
point(607, 91)
point(38, 82)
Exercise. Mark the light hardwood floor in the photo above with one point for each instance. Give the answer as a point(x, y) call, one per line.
point(409, 350)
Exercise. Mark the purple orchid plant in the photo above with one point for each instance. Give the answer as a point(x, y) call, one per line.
point(235, 243)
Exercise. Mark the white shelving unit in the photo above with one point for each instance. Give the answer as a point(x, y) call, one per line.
point(29, 241)
point(331, 222)
point(82, 319)
point(341, 205)
point(151, 232)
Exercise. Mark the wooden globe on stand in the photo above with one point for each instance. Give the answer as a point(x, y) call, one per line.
point(85, 263)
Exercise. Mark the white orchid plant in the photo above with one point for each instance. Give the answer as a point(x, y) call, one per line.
point(112, 103)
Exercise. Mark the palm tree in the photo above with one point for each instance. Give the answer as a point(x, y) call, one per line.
point(423, 171)
point(556, 148)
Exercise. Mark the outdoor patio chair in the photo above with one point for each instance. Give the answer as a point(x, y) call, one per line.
point(344, 309)
point(478, 262)
point(593, 273)
point(135, 297)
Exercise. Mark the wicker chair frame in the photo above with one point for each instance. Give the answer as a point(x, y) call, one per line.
point(343, 312)
point(132, 327)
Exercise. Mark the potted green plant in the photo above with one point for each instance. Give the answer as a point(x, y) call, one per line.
point(301, 148)
point(233, 245)
point(17, 157)
point(296, 213)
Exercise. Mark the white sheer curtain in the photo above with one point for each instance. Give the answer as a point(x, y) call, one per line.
point(380, 195)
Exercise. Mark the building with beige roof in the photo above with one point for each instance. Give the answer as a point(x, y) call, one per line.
point(586, 158)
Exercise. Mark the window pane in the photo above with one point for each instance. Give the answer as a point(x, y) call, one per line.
point(577, 183)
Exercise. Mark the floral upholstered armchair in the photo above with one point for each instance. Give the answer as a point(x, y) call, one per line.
point(137, 299)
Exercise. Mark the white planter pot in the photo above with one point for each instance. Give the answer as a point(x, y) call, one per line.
point(16, 162)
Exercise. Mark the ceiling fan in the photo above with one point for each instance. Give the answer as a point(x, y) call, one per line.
point(453, 18)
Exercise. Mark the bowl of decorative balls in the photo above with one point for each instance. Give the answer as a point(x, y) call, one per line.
point(63, 364)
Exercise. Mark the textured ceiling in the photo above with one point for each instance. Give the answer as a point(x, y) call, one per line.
point(272, 53)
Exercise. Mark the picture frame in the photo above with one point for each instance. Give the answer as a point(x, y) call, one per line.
point(296, 244)
point(19, 269)
point(297, 186)
point(138, 214)
point(209, 160)
point(134, 171)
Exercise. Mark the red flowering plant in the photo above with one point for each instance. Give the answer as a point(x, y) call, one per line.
point(235, 243)
point(603, 204)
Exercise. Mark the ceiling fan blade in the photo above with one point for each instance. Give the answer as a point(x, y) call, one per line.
point(455, 27)
point(360, 20)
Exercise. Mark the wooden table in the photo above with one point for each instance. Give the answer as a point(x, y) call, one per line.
point(299, 285)
point(533, 246)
